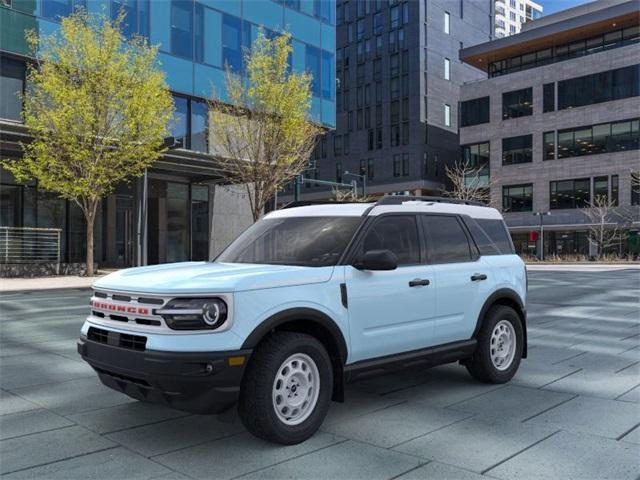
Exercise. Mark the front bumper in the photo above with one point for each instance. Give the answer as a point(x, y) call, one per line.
point(196, 382)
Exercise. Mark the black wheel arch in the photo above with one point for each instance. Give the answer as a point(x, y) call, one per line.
point(509, 298)
point(312, 322)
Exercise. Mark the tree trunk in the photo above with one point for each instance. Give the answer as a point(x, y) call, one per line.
point(90, 223)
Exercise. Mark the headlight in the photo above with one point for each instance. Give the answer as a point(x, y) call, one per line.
point(194, 313)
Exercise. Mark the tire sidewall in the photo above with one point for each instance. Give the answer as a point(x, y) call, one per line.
point(496, 314)
point(314, 349)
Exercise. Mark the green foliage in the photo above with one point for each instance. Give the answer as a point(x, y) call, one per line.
point(262, 130)
point(97, 107)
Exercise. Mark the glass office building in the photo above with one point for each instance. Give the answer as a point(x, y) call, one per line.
point(197, 39)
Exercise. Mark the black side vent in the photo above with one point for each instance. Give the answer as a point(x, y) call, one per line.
point(151, 301)
point(122, 340)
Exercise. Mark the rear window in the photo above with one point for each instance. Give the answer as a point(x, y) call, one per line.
point(448, 242)
point(496, 237)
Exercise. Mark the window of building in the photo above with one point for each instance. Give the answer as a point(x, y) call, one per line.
point(182, 28)
point(447, 69)
point(559, 53)
point(394, 64)
point(397, 166)
point(394, 87)
point(405, 164)
point(370, 168)
point(312, 63)
point(447, 241)
point(378, 138)
point(345, 144)
point(12, 78)
point(635, 188)
point(395, 135)
point(339, 172)
point(601, 188)
point(549, 145)
point(377, 69)
point(399, 234)
point(447, 115)
point(570, 193)
point(394, 16)
point(231, 42)
point(477, 156)
point(377, 23)
point(370, 142)
point(599, 87)
point(360, 29)
point(516, 150)
point(517, 198)
point(447, 23)
point(337, 145)
point(518, 103)
point(548, 97)
point(615, 189)
point(56, 9)
point(474, 112)
point(602, 138)
point(394, 112)
point(179, 125)
point(359, 119)
point(199, 126)
point(328, 75)
point(136, 19)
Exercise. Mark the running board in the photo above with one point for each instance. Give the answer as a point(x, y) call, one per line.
point(426, 357)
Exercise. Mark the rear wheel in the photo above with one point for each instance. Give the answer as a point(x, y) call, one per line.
point(286, 390)
point(499, 350)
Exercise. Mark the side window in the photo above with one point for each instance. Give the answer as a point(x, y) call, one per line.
point(485, 245)
point(447, 241)
point(497, 232)
point(398, 233)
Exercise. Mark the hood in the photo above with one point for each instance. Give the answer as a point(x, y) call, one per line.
point(208, 277)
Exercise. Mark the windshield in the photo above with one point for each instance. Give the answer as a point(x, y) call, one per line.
point(304, 241)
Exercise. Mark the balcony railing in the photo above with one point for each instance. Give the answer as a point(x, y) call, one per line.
point(30, 245)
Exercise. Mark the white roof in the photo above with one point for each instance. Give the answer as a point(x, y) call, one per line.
point(358, 209)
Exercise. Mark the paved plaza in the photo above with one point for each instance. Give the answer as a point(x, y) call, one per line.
point(571, 412)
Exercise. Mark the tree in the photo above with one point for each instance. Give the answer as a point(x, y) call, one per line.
point(468, 183)
point(97, 107)
point(605, 223)
point(261, 131)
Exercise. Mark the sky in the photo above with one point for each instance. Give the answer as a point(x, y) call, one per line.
point(553, 6)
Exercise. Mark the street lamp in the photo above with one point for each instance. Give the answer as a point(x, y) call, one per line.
point(364, 181)
point(541, 215)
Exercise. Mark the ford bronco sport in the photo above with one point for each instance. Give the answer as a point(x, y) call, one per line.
point(307, 299)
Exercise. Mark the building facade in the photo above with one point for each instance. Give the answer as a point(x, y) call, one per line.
point(179, 210)
point(510, 15)
point(556, 123)
point(398, 79)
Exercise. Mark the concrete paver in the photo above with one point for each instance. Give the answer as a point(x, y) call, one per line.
point(572, 411)
point(572, 456)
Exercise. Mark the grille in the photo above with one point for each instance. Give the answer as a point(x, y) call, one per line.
point(122, 340)
point(125, 302)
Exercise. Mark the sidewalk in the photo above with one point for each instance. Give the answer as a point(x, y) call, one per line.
point(583, 267)
point(48, 283)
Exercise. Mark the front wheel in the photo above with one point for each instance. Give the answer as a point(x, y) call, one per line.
point(286, 390)
point(499, 350)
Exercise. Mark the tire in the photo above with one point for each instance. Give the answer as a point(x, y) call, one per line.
point(499, 323)
point(272, 362)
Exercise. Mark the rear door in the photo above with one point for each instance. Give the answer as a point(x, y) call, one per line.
point(462, 278)
point(391, 311)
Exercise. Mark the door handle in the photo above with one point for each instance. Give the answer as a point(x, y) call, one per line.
point(419, 282)
point(478, 276)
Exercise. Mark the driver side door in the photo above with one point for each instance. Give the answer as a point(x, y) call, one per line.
point(391, 311)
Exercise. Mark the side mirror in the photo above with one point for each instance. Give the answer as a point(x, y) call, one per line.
point(377, 260)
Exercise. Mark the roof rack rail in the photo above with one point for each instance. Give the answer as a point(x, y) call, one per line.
point(398, 199)
point(307, 203)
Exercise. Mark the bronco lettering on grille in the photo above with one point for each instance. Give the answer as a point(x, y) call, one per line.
point(110, 307)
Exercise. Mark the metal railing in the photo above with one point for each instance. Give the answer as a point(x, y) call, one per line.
point(30, 245)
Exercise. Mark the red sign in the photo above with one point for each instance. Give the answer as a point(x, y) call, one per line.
point(533, 236)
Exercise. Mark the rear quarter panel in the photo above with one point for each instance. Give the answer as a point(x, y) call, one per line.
point(508, 272)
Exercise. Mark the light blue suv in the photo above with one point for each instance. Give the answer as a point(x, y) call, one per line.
point(307, 299)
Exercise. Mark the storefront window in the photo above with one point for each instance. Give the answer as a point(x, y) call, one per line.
point(180, 122)
point(199, 222)
point(12, 74)
point(199, 123)
point(177, 222)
